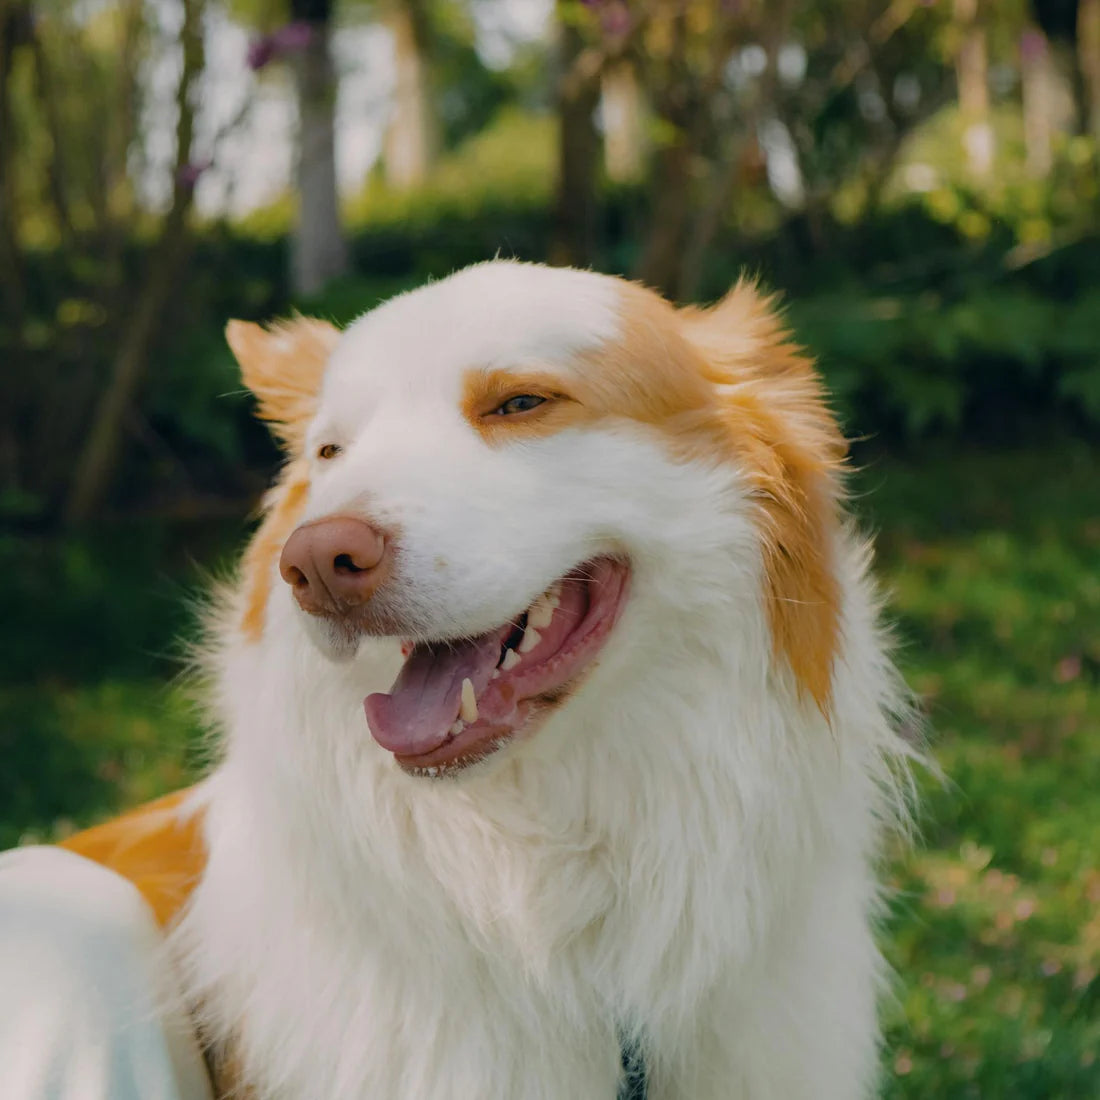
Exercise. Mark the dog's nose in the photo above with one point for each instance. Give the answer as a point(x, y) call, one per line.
point(333, 564)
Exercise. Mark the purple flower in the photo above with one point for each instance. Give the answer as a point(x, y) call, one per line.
point(189, 173)
point(1033, 45)
point(292, 37)
point(287, 39)
point(615, 19)
point(260, 52)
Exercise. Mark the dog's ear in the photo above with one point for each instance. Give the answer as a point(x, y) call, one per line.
point(283, 366)
point(787, 440)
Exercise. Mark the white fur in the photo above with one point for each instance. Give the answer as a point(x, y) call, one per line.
point(683, 853)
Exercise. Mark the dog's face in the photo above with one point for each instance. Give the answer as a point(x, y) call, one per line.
point(492, 469)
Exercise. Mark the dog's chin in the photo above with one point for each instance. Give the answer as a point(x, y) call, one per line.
point(332, 638)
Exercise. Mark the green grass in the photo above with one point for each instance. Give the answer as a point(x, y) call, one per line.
point(994, 565)
point(993, 561)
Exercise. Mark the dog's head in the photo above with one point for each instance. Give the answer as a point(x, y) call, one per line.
point(500, 468)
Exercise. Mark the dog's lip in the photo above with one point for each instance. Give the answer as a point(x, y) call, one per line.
point(510, 692)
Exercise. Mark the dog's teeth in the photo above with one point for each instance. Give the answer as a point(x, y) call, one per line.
point(458, 727)
point(531, 638)
point(467, 709)
point(511, 659)
point(541, 612)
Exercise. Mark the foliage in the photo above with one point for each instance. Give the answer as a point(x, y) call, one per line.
point(907, 366)
point(992, 561)
point(938, 341)
point(1013, 204)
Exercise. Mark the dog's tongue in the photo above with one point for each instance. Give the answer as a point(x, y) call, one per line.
point(417, 714)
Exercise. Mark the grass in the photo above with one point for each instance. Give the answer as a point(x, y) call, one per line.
point(994, 565)
point(994, 562)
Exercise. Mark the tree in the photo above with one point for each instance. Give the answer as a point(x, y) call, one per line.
point(578, 93)
point(411, 138)
point(319, 251)
point(1088, 61)
point(99, 455)
point(972, 69)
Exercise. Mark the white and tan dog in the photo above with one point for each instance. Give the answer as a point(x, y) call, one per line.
point(572, 724)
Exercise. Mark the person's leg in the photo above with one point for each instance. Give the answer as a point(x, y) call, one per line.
point(86, 996)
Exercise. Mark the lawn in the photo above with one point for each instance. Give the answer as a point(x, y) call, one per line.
point(993, 564)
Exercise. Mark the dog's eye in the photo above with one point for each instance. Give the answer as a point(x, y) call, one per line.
point(521, 403)
point(329, 450)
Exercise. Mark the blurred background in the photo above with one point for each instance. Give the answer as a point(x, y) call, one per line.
point(920, 178)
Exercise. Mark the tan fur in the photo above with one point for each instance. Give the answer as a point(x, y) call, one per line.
point(283, 508)
point(784, 433)
point(158, 850)
point(283, 366)
point(486, 390)
point(714, 382)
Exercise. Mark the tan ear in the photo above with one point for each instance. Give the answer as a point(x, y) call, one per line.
point(283, 366)
point(788, 441)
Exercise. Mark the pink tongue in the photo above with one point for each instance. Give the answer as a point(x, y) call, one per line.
point(417, 714)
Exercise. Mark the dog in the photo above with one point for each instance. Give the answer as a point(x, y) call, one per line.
point(558, 720)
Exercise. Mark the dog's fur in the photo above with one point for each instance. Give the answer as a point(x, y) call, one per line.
point(682, 854)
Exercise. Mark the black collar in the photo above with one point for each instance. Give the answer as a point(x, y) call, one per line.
point(633, 1085)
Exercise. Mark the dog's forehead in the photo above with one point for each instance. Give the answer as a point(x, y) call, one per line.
point(495, 315)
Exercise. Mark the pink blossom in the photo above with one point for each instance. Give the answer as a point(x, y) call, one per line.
point(190, 172)
point(286, 40)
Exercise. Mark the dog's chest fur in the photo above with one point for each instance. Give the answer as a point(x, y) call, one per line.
point(496, 938)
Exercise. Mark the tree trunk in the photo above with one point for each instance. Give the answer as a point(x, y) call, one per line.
point(659, 265)
point(623, 123)
point(410, 136)
point(318, 250)
point(1048, 98)
point(578, 156)
point(972, 75)
point(13, 21)
point(1088, 61)
point(14, 25)
point(99, 455)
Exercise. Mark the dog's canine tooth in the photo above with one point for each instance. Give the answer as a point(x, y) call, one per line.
point(511, 659)
point(540, 613)
point(531, 638)
point(458, 727)
point(467, 709)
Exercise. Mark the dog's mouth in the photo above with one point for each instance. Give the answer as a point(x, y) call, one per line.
point(456, 702)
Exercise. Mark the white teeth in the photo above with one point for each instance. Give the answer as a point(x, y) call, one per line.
point(531, 638)
point(458, 727)
point(542, 610)
point(511, 659)
point(467, 709)
point(540, 613)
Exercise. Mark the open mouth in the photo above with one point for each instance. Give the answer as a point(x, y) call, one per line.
point(456, 702)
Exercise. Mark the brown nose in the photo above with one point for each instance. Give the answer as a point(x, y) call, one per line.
point(333, 564)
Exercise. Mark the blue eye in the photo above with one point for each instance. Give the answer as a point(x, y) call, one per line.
point(521, 403)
